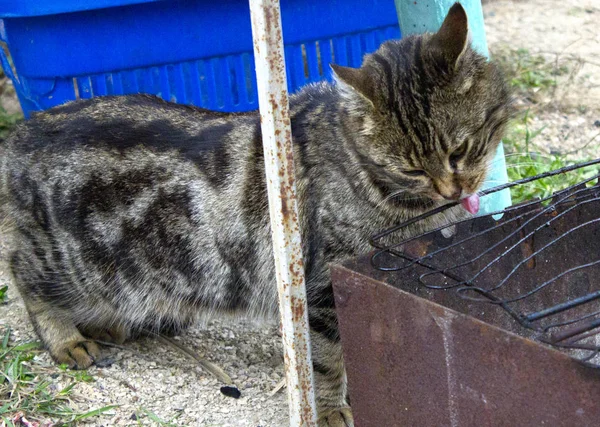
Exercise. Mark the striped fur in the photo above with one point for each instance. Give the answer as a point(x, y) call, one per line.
point(132, 214)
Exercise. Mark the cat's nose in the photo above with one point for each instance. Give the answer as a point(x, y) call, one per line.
point(454, 195)
point(448, 189)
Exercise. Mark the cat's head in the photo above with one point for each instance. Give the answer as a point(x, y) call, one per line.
point(430, 113)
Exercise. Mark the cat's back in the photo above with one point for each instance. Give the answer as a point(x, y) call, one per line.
point(89, 165)
point(123, 122)
point(134, 138)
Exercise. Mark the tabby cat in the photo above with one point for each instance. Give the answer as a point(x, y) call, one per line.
point(131, 214)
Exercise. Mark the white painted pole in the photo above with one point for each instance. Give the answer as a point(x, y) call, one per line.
point(279, 166)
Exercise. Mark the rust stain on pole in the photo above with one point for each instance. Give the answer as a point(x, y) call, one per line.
point(279, 166)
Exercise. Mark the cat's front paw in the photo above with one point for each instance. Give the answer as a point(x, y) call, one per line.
point(339, 417)
point(77, 354)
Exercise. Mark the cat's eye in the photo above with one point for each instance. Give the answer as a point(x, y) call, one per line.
point(458, 153)
point(414, 172)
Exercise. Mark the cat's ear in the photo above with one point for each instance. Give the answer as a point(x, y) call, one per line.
point(355, 78)
point(452, 38)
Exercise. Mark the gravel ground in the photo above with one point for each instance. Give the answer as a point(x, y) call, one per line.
point(149, 375)
point(565, 33)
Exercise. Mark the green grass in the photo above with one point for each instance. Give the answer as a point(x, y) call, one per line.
point(156, 420)
point(29, 388)
point(530, 77)
point(525, 159)
point(8, 122)
point(528, 74)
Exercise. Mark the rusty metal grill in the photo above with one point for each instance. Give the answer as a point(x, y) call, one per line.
point(540, 263)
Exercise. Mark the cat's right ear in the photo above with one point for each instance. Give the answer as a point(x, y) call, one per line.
point(452, 38)
point(355, 79)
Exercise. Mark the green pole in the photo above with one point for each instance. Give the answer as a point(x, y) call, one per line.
point(418, 16)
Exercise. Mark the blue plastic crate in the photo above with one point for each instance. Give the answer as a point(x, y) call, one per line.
point(188, 51)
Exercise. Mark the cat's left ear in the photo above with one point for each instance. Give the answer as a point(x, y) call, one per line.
point(356, 79)
point(452, 38)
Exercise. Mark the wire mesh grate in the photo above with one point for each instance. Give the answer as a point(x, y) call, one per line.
point(540, 262)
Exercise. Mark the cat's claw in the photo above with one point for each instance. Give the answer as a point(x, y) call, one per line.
point(77, 354)
point(340, 417)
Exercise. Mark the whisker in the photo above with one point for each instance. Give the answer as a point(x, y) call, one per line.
point(531, 153)
point(516, 165)
point(507, 159)
point(391, 196)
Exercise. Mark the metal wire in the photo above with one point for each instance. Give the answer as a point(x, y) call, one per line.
point(540, 263)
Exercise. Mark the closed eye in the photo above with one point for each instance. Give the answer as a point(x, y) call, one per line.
point(458, 154)
point(414, 172)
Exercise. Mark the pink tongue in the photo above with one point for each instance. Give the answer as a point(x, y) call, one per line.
point(471, 203)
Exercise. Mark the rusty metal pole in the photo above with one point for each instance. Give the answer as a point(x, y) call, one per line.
point(285, 229)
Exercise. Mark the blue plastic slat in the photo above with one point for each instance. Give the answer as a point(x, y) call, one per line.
point(379, 36)
point(340, 51)
point(370, 44)
point(211, 84)
point(289, 67)
point(129, 80)
point(84, 87)
point(295, 67)
point(204, 86)
point(196, 91)
point(326, 57)
point(155, 74)
point(355, 50)
point(165, 89)
point(224, 87)
point(145, 81)
point(179, 81)
point(250, 78)
point(189, 82)
point(114, 84)
point(313, 62)
point(240, 94)
point(99, 85)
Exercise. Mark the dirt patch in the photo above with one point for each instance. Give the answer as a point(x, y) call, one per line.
point(565, 34)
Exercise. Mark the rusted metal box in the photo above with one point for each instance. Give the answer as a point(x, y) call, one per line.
point(424, 357)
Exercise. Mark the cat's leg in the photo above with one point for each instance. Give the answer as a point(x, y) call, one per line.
point(116, 334)
point(60, 335)
point(328, 365)
point(54, 325)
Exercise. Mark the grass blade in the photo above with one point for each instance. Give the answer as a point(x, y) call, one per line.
point(95, 412)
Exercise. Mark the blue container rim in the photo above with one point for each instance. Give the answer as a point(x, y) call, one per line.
point(28, 8)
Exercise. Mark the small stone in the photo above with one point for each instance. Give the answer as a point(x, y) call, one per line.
point(231, 391)
point(597, 123)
